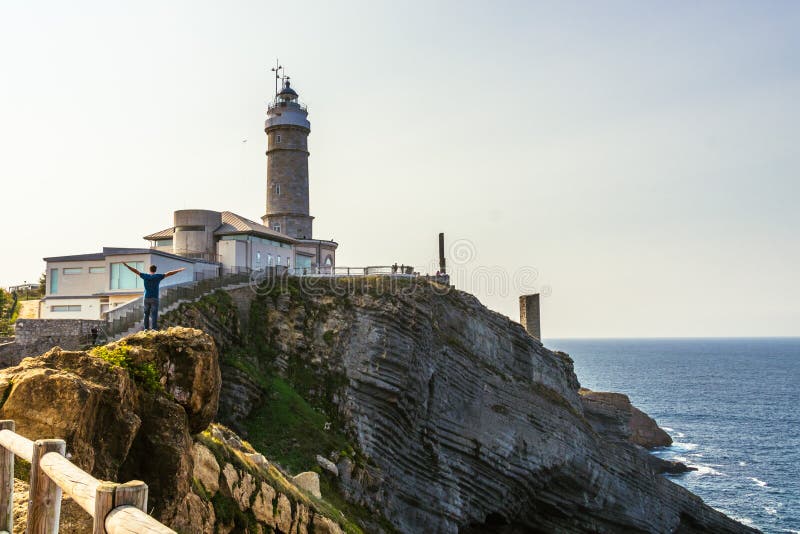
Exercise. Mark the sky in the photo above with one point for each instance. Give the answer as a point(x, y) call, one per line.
point(634, 162)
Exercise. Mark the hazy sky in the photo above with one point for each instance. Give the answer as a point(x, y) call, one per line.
point(642, 157)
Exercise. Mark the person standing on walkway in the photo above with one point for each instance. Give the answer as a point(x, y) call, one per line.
point(151, 283)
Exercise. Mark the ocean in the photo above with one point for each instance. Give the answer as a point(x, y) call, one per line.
point(732, 407)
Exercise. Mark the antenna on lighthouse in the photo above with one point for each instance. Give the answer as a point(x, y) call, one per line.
point(277, 70)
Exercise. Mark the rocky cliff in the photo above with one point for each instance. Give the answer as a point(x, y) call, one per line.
point(440, 415)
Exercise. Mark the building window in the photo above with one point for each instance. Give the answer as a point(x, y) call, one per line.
point(66, 308)
point(276, 227)
point(73, 270)
point(53, 281)
point(279, 259)
point(269, 259)
point(162, 243)
point(258, 258)
point(277, 189)
point(122, 278)
point(302, 262)
point(278, 138)
point(97, 270)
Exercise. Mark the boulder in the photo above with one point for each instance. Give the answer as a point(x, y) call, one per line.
point(327, 465)
point(613, 416)
point(262, 505)
point(308, 481)
point(206, 469)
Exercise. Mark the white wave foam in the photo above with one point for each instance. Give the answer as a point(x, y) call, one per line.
point(744, 464)
point(770, 510)
point(668, 429)
point(706, 470)
point(680, 435)
point(746, 520)
point(759, 483)
point(684, 447)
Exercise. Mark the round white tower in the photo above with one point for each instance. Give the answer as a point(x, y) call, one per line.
point(287, 129)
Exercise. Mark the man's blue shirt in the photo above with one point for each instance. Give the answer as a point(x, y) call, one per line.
point(151, 282)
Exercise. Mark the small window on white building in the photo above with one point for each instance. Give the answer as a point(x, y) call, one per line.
point(279, 259)
point(66, 308)
point(277, 189)
point(269, 259)
point(278, 138)
point(276, 227)
point(97, 270)
point(258, 258)
point(73, 270)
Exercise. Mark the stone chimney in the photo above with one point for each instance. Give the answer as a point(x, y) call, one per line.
point(529, 315)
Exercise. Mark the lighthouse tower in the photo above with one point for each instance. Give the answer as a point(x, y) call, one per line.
point(287, 129)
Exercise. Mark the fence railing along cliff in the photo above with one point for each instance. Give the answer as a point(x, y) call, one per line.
point(114, 508)
point(126, 316)
point(123, 318)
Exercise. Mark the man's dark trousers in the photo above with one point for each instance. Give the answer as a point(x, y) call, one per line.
point(150, 310)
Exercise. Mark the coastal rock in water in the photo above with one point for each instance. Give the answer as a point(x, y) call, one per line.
point(613, 415)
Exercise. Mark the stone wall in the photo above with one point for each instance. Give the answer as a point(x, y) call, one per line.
point(36, 336)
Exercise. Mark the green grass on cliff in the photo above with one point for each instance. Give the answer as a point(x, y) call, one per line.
point(288, 430)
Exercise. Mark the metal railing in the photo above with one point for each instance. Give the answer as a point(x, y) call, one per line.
point(114, 508)
point(123, 318)
point(285, 104)
point(390, 270)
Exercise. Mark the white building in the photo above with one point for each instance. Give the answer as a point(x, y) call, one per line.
point(85, 286)
point(236, 243)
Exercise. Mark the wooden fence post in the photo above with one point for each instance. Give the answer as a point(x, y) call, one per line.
point(44, 501)
point(133, 493)
point(103, 504)
point(6, 482)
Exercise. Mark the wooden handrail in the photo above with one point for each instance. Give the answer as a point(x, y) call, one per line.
point(20, 446)
point(131, 520)
point(73, 480)
point(115, 508)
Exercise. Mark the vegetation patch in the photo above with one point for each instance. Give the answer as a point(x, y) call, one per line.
point(145, 373)
point(290, 431)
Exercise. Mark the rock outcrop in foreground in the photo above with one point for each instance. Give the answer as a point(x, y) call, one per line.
point(142, 409)
point(455, 420)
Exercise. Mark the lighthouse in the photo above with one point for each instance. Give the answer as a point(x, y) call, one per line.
point(287, 130)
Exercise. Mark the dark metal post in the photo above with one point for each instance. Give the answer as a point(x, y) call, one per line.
point(442, 266)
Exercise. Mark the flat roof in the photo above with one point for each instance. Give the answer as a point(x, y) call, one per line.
point(120, 251)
